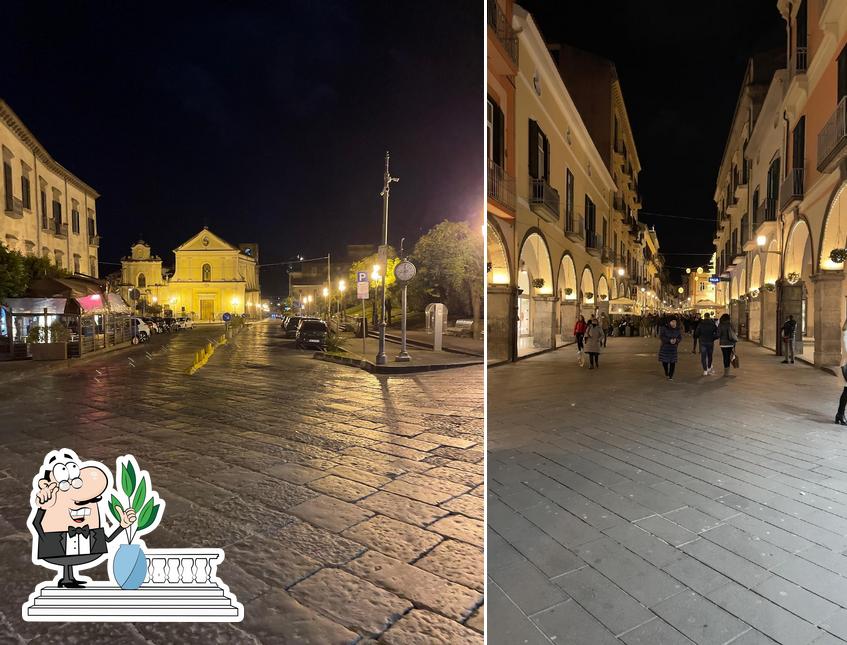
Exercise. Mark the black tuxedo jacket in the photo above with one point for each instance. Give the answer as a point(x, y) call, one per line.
point(52, 544)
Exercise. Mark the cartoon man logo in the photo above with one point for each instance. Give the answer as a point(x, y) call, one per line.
point(65, 521)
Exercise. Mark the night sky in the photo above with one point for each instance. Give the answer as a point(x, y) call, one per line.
point(267, 122)
point(681, 65)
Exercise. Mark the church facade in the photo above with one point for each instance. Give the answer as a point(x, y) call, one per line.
point(211, 277)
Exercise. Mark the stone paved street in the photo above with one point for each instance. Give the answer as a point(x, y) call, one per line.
point(349, 505)
point(624, 508)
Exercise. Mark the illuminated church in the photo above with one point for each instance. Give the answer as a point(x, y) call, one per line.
point(211, 277)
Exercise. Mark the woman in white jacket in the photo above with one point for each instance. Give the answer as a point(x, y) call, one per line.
point(839, 417)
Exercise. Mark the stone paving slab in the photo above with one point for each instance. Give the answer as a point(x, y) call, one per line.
point(288, 464)
point(704, 510)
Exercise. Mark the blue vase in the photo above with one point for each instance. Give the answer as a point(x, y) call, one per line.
point(129, 566)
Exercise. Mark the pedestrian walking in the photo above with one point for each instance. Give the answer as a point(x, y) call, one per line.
point(594, 336)
point(579, 333)
point(694, 326)
point(788, 329)
point(604, 325)
point(727, 338)
point(707, 334)
point(669, 337)
point(839, 416)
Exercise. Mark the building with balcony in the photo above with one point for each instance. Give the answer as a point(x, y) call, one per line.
point(596, 90)
point(501, 202)
point(747, 197)
point(211, 277)
point(47, 210)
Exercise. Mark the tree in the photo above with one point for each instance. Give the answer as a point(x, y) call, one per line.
point(367, 264)
point(449, 259)
point(38, 268)
point(13, 274)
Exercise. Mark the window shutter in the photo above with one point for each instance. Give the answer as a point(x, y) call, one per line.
point(7, 185)
point(499, 136)
point(546, 157)
point(533, 149)
point(799, 143)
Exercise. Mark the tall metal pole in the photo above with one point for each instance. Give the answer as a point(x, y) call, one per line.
point(403, 356)
point(386, 189)
point(328, 289)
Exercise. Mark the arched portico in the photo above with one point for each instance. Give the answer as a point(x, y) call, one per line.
point(568, 292)
point(797, 292)
point(535, 295)
point(501, 303)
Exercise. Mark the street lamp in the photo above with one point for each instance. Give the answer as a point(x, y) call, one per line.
point(342, 287)
point(326, 297)
point(621, 272)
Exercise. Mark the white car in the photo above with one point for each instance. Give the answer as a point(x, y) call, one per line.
point(185, 323)
point(140, 331)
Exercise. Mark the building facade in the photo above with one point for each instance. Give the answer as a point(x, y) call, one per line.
point(563, 232)
point(796, 261)
point(47, 210)
point(211, 277)
point(746, 197)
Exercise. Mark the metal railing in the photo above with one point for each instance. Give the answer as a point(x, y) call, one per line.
point(792, 187)
point(766, 212)
point(501, 186)
point(58, 227)
point(574, 225)
point(618, 203)
point(798, 61)
point(544, 199)
point(607, 256)
point(593, 240)
point(831, 138)
point(499, 24)
point(94, 240)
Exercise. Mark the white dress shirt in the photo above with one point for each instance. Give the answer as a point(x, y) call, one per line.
point(78, 544)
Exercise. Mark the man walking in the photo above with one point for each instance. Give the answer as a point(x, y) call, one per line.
point(695, 324)
point(788, 329)
point(706, 332)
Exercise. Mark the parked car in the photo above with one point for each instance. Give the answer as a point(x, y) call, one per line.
point(170, 324)
point(140, 331)
point(153, 325)
point(290, 326)
point(185, 323)
point(312, 333)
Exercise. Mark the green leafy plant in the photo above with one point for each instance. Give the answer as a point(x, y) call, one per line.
point(136, 489)
point(838, 255)
point(59, 332)
point(35, 334)
point(538, 283)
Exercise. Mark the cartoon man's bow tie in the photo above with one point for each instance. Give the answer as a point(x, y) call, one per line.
point(82, 530)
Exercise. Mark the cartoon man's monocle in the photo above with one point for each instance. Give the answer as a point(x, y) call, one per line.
point(71, 533)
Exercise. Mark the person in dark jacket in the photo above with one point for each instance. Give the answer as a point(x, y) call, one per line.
point(695, 323)
point(788, 329)
point(594, 336)
point(670, 337)
point(727, 338)
point(707, 334)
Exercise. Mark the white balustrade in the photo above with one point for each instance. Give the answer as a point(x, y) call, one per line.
point(173, 567)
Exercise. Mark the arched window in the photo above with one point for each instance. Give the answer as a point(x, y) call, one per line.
point(142, 281)
point(207, 273)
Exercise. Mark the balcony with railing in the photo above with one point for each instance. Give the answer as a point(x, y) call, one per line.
point(58, 228)
point(766, 212)
point(45, 222)
point(15, 208)
point(832, 139)
point(799, 61)
point(792, 188)
point(94, 240)
point(544, 199)
point(499, 24)
point(607, 256)
point(501, 186)
point(593, 242)
point(575, 227)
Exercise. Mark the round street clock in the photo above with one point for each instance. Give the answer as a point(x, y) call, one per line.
point(405, 271)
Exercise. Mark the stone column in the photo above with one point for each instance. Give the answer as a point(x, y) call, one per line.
point(501, 322)
point(829, 310)
point(544, 322)
point(789, 303)
point(567, 319)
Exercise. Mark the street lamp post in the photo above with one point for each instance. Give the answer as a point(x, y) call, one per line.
point(386, 189)
point(342, 286)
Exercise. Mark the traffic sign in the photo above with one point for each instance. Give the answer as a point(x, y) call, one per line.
point(405, 271)
point(362, 290)
point(244, 315)
point(714, 279)
point(227, 317)
point(361, 276)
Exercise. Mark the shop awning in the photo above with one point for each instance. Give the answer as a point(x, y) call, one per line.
point(92, 304)
point(35, 306)
point(117, 304)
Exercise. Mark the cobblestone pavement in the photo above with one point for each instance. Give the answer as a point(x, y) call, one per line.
point(624, 508)
point(349, 505)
